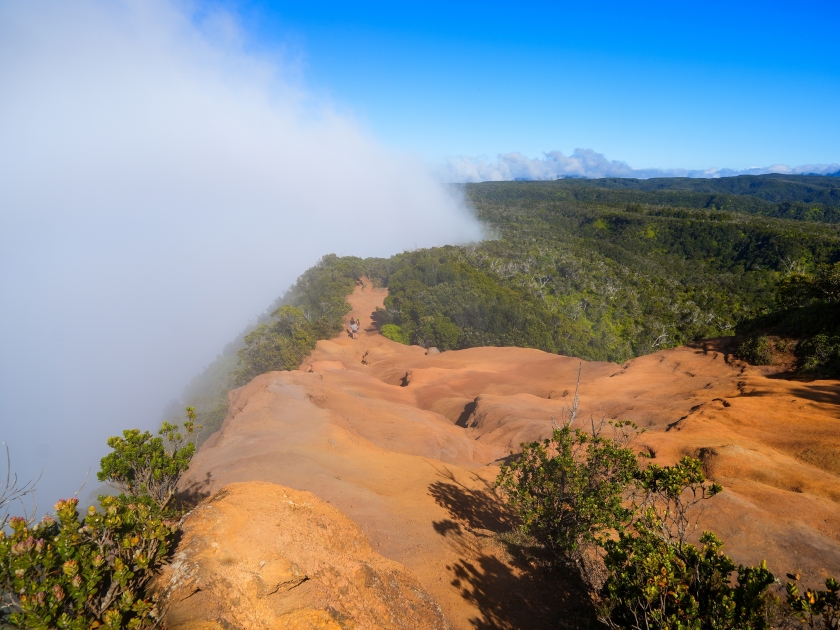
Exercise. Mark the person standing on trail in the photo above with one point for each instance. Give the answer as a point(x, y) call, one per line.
point(354, 327)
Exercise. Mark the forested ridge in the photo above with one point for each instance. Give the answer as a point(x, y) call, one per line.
point(802, 197)
point(596, 269)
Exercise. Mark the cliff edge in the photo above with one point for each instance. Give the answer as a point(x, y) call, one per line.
point(257, 555)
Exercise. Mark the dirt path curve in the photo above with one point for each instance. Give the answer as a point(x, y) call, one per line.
point(414, 482)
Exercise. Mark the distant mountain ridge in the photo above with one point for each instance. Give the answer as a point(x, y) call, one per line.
point(776, 188)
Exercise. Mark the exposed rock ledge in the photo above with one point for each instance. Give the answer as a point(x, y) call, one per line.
point(260, 555)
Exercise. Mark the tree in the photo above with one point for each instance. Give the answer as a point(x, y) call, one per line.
point(569, 490)
point(149, 468)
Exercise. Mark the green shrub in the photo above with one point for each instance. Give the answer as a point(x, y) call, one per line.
point(437, 330)
point(575, 489)
point(816, 609)
point(569, 490)
point(756, 350)
point(820, 355)
point(655, 584)
point(394, 333)
point(149, 468)
point(80, 574)
point(658, 580)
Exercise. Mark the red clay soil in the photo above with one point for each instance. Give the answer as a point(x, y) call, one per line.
point(407, 445)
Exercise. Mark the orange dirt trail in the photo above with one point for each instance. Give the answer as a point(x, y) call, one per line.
point(407, 445)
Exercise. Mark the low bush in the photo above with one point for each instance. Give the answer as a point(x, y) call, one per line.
point(816, 608)
point(756, 350)
point(394, 333)
point(569, 490)
point(657, 579)
point(820, 355)
point(580, 489)
point(82, 573)
point(148, 468)
point(654, 583)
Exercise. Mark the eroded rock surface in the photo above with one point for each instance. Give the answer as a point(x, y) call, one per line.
point(261, 556)
point(407, 445)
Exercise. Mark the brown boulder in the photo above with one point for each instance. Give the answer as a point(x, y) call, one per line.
point(260, 555)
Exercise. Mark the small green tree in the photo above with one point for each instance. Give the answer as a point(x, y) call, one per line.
point(569, 490)
point(149, 468)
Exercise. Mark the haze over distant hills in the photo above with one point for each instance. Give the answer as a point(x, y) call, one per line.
point(587, 163)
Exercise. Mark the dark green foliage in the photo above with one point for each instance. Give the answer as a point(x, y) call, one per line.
point(802, 290)
point(816, 608)
point(820, 355)
point(653, 584)
point(569, 490)
point(621, 278)
point(797, 197)
point(756, 350)
point(281, 345)
point(658, 580)
point(438, 298)
point(146, 467)
point(808, 309)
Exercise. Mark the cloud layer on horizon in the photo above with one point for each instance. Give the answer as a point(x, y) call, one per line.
point(590, 164)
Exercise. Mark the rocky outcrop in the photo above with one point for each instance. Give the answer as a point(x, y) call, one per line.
point(258, 556)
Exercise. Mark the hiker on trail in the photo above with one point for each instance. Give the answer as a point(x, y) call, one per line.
point(354, 327)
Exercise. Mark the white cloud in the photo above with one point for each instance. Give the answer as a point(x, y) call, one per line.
point(588, 163)
point(159, 187)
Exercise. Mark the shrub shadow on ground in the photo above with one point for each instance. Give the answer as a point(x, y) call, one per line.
point(191, 496)
point(500, 571)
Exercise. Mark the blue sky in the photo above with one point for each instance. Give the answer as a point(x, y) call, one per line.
point(663, 85)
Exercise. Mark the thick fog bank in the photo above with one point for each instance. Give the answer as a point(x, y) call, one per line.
point(159, 187)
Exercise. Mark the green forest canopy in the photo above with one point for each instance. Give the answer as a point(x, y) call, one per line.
point(597, 269)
